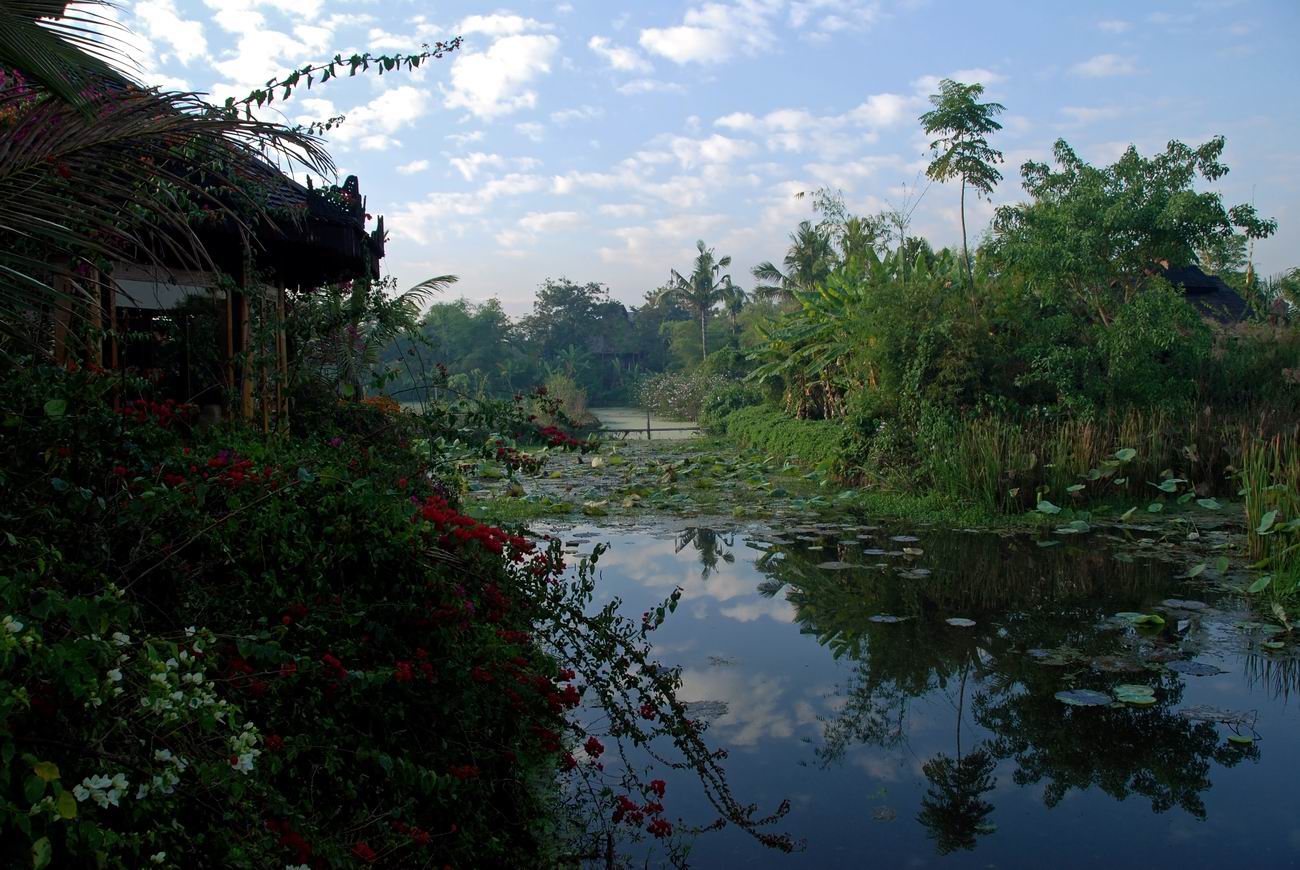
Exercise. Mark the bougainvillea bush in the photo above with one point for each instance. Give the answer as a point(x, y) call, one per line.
point(223, 649)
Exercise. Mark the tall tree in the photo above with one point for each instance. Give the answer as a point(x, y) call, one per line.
point(1097, 233)
point(704, 288)
point(960, 123)
point(807, 263)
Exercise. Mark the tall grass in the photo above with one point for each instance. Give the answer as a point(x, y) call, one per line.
point(1270, 481)
point(1004, 465)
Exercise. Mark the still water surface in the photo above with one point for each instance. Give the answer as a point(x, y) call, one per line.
point(919, 743)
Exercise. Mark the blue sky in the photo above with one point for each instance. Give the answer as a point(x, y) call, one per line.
point(599, 140)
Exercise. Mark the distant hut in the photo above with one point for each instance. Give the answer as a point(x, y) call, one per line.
point(1209, 294)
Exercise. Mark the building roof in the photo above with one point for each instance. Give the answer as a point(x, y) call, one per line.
point(1208, 293)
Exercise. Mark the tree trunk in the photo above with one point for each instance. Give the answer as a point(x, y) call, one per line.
point(704, 342)
point(970, 277)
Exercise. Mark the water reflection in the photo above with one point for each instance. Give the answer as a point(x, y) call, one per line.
point(961, 724)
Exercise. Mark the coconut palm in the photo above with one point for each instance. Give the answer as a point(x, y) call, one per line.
point(809, 260)
point(704, 288)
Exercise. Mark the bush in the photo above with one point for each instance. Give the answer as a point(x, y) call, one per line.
point(816, 443)
point(679, 395)
point(726, 399)
point(221, 649)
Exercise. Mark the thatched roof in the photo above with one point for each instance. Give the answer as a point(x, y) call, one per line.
point(1209, 293)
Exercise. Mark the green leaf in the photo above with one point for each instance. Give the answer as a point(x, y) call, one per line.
point(304, 475)
point(1209, 504)
point(1125, 454)
point(1266, 523)
point(1128, 514)
point(1155, 507)
point(46, 770)
point(1047, 507)
point(42, 853)
point(1260, 585)
point(1078, 487)
point(348, 391)
point(66, 804)
point(56, 407)
point(1197, 571)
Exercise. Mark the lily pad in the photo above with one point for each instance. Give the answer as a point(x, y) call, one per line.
point(1181, 604)
point(1206, 713)
point(1115, 664)
point(1083, 698)
point(905, 539)
point(1194, 669)
point(1241, 739)
point(1137, 695)
point(835, 566)
point(886, 618)
point(960, 622)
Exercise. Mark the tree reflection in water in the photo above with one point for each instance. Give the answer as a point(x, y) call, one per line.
point(1020, 600)
point(710, 545)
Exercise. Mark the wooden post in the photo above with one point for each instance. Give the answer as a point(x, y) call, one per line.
point(228, 349)
point(245, 361)
point(94, 319)
point(648, 436)
point(282, 360)
point(263, 398)
point(62, 319)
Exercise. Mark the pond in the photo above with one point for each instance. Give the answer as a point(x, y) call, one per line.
point(632, 418)
point(935, 698)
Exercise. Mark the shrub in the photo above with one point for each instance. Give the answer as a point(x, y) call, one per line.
point(727, 398)
point(293, 651)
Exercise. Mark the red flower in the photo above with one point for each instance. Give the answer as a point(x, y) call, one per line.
point(463, 771)
point(648, 711)
point(402, 672)
point(594, 747)
point(660, 828)
point(658, 786)
point(362, 852)
point(119, 470)
point(288, 669)
point(274, 742)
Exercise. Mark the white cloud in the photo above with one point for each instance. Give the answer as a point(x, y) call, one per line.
point(715, 32)
point(413, 167)
point(371, 125)
point(495, 82)
point(426, 219)
point(160, 21)
point(580, 113)
point(1104, 65)
point(463, 139)
point(622, 210)
point(1114, 25)
point(549, 221)
point(929, 84)
point(1081, 115)
point(470, 165)
point(713, 149)
point(821, 19)
point(650, 86)
point(498, 25)
point(618, 57)
point(797, 130)
point(531, 130)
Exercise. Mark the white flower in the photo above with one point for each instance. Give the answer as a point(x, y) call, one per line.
point(80, 792)
point(158, 857)
point(12, 625)
point(163, 755)
point(121, 639)
point(115, 675)
point(189, 632)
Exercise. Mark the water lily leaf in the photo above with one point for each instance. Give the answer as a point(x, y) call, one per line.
point(1125, 454)
point(1196, 571)
point(1194, 669)
point(1078, 487)
point(1272, 644)
point(1209, 503)
point(1046, 507)
point(886, 619)
point(1259, 585)
point(960, 622)
point(1048, 543)
point(905, 539)
point(1137, 695)
point(56, 407)
point(1155, 507)
point(1266, 523)
point(1241, 739)
point(835, 566)
point(1083, 698)
point(1141, 618)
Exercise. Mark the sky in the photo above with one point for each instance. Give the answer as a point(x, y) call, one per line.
point(598, 140)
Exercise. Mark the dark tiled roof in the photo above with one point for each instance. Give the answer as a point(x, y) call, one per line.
point(1209, 293)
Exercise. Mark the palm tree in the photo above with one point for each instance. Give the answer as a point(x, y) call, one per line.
point(733, 302)
point(702, 289)
point(808, 262)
